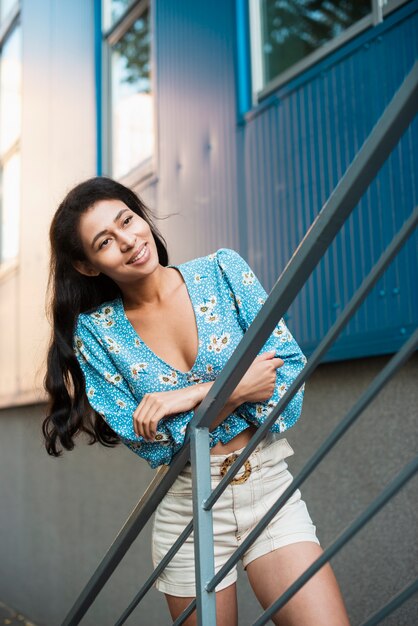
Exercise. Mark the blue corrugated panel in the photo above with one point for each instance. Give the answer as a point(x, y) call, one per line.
point(258, 186)
point(296, 150)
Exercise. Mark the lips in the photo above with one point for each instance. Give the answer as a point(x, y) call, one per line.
point(138, 251)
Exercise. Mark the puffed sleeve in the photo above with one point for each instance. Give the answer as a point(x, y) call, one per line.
point(109, 394)
point(249, 295)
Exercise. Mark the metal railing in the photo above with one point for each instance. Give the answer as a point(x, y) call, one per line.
point(371, 156)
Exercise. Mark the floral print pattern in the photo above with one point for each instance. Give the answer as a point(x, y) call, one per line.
point(104, 317)
point(119, 368)
point(216, 344)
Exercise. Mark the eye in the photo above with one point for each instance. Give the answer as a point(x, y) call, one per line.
point(128, 219)
point(103, 243)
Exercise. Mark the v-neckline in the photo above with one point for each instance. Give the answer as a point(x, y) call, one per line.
point(138, 336)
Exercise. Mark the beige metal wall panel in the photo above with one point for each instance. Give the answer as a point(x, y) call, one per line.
point(58, 150)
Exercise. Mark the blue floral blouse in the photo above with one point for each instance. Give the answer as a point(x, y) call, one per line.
point(119, 368)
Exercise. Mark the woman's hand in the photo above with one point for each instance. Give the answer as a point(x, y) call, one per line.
point(259, 380)
point(156, 405)
point(257, 384)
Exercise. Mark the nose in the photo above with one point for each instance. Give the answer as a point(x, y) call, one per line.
point(127, 241)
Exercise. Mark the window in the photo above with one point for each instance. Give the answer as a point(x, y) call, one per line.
point(287, 36)
point(10, 130)
point(129, 93)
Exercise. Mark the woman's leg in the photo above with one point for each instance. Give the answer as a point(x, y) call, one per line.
point(318, 602)
point(226, 607)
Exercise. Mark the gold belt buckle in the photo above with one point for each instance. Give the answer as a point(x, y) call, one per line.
point(241, 479)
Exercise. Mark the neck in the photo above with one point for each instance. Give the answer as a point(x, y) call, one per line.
point(149, 291)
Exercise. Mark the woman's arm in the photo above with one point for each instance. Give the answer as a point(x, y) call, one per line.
point(109, 395)
point(164, 404)
point(248, 296)
point(257, 384)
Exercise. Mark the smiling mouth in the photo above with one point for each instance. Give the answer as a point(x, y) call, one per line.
point(139, 254)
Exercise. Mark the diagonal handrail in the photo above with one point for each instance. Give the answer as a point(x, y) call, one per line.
point(373, 153)
point(390, 490)
point(187, 611)
point(348, 420)
point(153, 577)
point(332, 216)
point(382, 139)
point(140, 515)
point(359, 296)
point(393, 604)
point(390, 369)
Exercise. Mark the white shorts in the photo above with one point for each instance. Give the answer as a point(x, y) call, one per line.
point(255, 488)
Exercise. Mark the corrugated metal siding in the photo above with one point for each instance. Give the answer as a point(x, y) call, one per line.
point(257, 187)
point(196, 124)
point(296, 151)
point(58, 150)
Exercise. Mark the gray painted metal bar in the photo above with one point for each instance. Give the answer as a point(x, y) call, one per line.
point(394, 604)
point(391, 490)
point(372, 390)
point(151, 580)
point(187, 611)
point(364, 167)
point(359, 296)
point(203, 527)
point(155, 491)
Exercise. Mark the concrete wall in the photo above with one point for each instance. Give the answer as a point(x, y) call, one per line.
point(59, 516)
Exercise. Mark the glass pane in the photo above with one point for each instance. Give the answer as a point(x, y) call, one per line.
point(10, 90)
point(10, 208)
point(292, 29)
point(132, 101)
point(5, 8)
point(112, 11)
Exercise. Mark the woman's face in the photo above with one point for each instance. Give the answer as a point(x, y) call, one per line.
point(117, 242)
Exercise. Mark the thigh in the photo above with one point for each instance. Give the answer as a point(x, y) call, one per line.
point(226, 607)
point(318, 602)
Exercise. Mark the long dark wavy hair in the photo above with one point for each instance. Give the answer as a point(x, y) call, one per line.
point(70, 293)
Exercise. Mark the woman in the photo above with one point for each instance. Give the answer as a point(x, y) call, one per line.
point(136, 345)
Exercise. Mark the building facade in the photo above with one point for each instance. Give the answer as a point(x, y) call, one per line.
point(234, 121)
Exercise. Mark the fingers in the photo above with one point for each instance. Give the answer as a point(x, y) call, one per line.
point(150, 427)
point(147, 427)
point(266, 355)
point(146, 417)
point(275, 361)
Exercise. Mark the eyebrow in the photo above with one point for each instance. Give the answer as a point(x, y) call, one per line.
point(103, 232)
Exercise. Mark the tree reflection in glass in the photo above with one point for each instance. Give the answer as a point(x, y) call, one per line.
point(292, 29)
point(132, 106)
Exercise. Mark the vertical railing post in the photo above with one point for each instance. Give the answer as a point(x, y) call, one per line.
point(203, 526)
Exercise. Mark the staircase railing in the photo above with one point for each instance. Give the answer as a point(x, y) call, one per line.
point(382, 139)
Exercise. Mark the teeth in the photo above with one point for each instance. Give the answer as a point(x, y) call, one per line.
point(140, 255)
